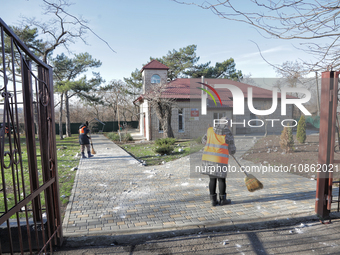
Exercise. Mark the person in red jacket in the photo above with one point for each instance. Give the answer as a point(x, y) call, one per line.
point(219, 144)
point(84, 140)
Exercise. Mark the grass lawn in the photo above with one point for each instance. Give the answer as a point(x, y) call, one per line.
point(146, 151)
point(66, 150)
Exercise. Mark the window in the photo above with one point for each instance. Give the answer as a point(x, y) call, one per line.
point(155, 78)
point(254, 117)
point(180, 120)
point(218, 115)
point(160, 128)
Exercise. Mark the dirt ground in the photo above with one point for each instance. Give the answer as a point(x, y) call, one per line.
point(303, 161)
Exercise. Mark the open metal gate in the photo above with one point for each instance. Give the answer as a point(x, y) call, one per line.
point(29, 201)
point(329, 144)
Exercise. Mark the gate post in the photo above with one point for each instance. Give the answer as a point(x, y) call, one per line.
point(329, 101)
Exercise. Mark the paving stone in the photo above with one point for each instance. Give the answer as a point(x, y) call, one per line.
point(105, 199)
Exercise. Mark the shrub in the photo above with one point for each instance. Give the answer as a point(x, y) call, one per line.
point(199, 140)
point(113, 136)
point(164, 149)
point(301, 130)
point(286, 139)
point(127, 137)
point(165, 141)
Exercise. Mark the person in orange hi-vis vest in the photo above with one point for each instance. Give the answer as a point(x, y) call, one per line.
point(84, 140)
point(219, 144)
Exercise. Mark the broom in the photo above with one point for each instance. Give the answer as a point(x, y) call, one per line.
point(92, 149)
point(250, 180)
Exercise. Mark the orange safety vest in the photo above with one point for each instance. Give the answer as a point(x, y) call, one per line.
point(215, 150)
point(82, 130)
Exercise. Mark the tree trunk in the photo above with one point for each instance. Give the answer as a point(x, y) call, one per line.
point(61, 116)
point(164, 114)
point(67, 108)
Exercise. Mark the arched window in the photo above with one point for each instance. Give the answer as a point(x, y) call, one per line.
point(155, 78)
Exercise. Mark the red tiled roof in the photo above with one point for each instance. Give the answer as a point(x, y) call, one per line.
point(154, 64)
point(180, 89)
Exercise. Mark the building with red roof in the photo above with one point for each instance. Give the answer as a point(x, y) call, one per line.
point(188, 118)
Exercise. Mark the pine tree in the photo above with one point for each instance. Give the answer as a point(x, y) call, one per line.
point(301, 130)
point(286, 140)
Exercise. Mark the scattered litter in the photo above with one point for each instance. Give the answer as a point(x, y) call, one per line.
point(74, 168)
point(185, 184)
point(238, 246)
point(225, 241)
point(112, 244)
point(63, 196)
point(291, 231)
point(298, 230)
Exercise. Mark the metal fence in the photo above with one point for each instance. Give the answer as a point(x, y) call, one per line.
point(29, 194)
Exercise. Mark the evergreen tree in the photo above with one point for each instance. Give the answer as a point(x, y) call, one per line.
point(286, 140)
point(301, 130)
point(68, 82)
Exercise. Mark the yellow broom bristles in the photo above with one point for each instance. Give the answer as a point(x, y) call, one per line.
point(252, 183)
point(92, 150)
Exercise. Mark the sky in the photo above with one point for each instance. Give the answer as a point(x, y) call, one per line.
point(140, 29)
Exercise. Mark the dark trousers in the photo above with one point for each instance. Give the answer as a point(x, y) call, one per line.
point(82, 147)
point(221, 185)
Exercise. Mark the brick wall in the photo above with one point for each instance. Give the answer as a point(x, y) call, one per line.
point(196, 128)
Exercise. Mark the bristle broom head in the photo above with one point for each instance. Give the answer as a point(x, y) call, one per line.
point(252, 183)
point(93, 151)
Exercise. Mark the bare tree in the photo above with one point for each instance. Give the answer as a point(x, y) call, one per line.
point(62, 29)
point(288, 19)
point(294, 75)
point(162, 103)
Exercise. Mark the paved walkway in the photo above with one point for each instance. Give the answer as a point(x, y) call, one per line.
point(113, 193)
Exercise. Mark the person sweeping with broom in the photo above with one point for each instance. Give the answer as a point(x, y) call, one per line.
point(219, 143)
point(84, 140)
